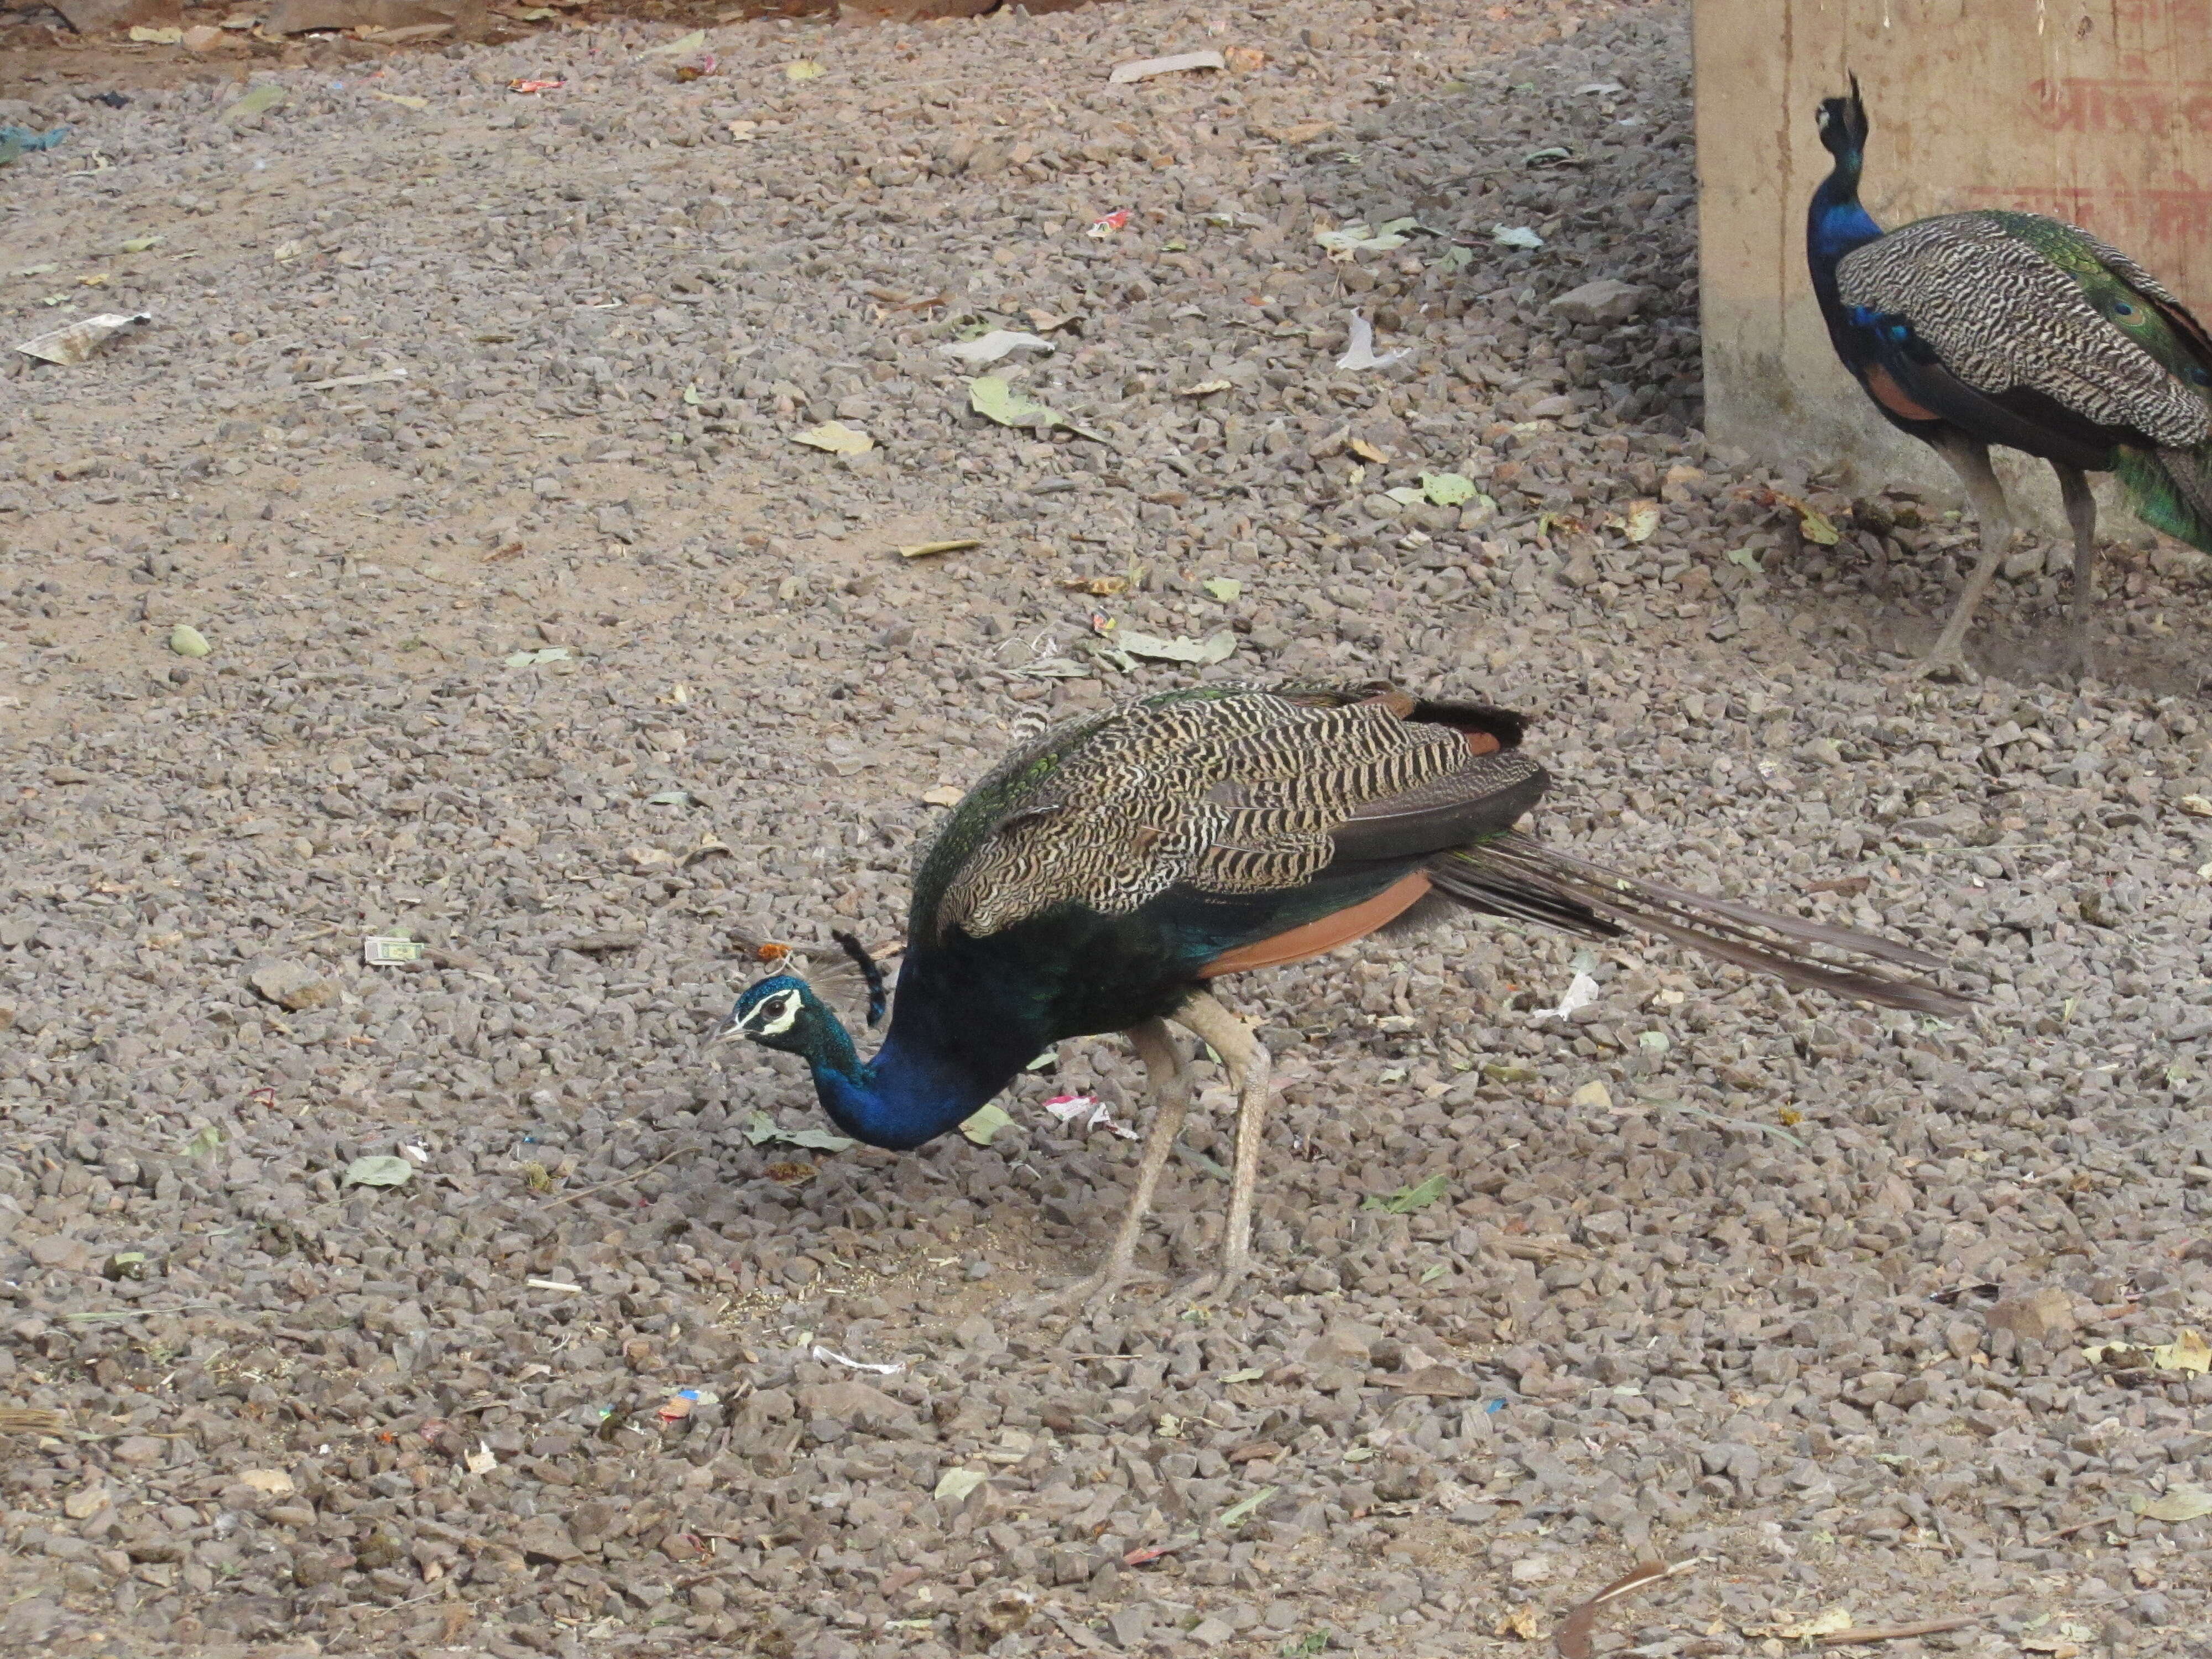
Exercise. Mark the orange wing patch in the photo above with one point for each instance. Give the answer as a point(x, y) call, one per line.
point(1338, 927)
point(1891, 395)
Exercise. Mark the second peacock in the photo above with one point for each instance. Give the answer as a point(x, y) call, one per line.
point(1103, 875)
point(1992, 327)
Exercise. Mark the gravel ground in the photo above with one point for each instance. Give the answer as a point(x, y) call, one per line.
point(1793, 1289)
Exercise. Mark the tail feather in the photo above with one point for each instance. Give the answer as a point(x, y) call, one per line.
point(2171, 489)
point(1517, 876)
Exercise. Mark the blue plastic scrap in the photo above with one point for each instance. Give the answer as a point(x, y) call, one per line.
point(14, 141)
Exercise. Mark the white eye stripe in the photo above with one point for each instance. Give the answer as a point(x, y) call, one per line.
point(782, 1014)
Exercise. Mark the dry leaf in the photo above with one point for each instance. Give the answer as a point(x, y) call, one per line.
point(1367, 452)
point(943, 795)
point(1520, 1622)
point(835, 437)
point(924, 549)
point(1821, 1624)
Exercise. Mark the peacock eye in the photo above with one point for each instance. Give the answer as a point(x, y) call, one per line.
point(2122, 308)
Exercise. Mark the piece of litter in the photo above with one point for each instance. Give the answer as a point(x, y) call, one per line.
point(16, 140)
point(956, 1483)
point(1406, 1200)
point(527, 86)
point(1112, 224)
point(678, 1406)
point(1068, 1108)
point(983, 1127)
point(1144, 68)
point(377, 1172)
point(820, 1353)
point(482, 1459)
point(925, 550)
point(804, 68)
point(386, 950)
point(553, 1285)
point(376, 377)
point(1360, 353)
point(188, 640)
point(835, 437)
point(75, 342)
point(1582, 991)
point(1514, 236)
point(987, 349)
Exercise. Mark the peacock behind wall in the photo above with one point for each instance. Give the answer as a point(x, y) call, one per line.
point(1969, 330)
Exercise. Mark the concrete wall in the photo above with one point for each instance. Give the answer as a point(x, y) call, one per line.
point(2098, 112)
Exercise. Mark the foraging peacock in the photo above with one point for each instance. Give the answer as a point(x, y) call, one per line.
point(1104, 874)
point(1992, 327)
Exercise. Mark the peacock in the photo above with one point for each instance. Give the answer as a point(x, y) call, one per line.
point(1997, 327)
point(1103, 875)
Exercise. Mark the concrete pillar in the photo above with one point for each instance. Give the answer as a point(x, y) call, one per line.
point(2097, 112)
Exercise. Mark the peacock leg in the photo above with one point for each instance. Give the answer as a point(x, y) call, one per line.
point(1249, 1072)
point(1969, 459)
point(1170, 1076)
point(2082, 514)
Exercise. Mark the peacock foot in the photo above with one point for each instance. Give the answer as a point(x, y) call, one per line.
point(1093, 1292)
point(1217, 1285)
point(1945, 662)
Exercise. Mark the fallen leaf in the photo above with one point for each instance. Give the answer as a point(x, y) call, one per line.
point(1216, 647)
point(1238, 1513)
point(983, 1127)
point(142, 244)
point(1367, 451)
point(924, 549)
point(804, 68)
point(1514, 236)
point(761, 1129)
point(1821, 1624)
point(1813, 525)
point(377, 1172)
point(956, 1483)
point(171, 36)
point(694, 41)
point(531, 658)
point(995, 399)
point(1406, 1200)
point(1356, 238)
point(1520, 1622)
point(1448, 488)
point(1205, 388)
point(1641, 521)
point(1743, 557)
point(1300, 132)
point(943, 795)
point(206, 1142)
point(835, 437)
point(258, 101)
point(2176, 1504)
point(404, 100)
point(2187, 1353)
point(1226, 589)
point(2196, 806)
point(188, 640)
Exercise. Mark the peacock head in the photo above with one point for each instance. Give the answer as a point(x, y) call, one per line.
point(1842, 124)
point(783, 1012)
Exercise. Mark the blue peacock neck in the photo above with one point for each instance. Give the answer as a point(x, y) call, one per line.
point(1836, 224)
point(907, 1095)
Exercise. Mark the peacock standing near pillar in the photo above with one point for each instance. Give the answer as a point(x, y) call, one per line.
point(1102, 876)
point(1974, 329)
